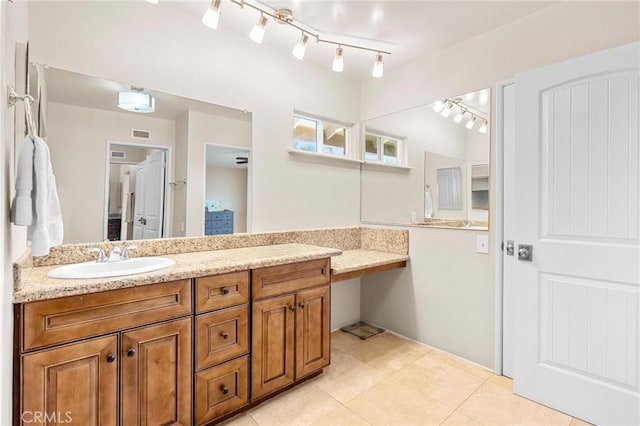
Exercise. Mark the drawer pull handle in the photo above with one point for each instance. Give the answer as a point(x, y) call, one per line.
point(111, 358)
point(224, 389)
point(131, 352)
point(224, 335)
point(225, 290)
point(301, 305)
point(293, 308)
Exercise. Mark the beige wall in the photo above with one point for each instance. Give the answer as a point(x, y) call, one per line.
point(77, 139)
point(180, 174)
point(13, 28)
point(446, 297)
point(230, 186)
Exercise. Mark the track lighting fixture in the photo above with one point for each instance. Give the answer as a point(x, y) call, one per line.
point(447, 110)
point(211, 18)
point(378, 68)
point(471, 123)
point(212, 15)
point(338, 61)
point(257, 33)
point(300, 47)
point(462, 110)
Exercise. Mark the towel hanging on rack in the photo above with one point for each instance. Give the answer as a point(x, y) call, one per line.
point(36, 203)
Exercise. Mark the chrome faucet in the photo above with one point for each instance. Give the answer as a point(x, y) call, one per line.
point(115, 255)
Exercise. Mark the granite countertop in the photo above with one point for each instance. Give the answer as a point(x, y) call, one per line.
point(36, 285)
point(354, 260)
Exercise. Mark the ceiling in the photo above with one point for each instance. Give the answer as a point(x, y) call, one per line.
point(408, 29)
point(220, 156)
point(71, 88)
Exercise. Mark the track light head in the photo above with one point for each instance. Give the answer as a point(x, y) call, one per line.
point(211, 16)
point(446, 111)
point(300, 47)
point(338, 61)
point(257, 33)
point(483, 128)
point(378, 68)
point(438, 106)
point(460, 115)
point(471, 123)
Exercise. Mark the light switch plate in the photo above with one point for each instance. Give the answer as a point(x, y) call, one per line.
point(482, 244)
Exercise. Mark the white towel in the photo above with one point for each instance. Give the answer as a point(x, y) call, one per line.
point(45, 221)
point(428, 205)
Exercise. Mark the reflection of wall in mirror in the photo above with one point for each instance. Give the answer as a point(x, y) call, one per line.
point(229, 186)
point(77, 137)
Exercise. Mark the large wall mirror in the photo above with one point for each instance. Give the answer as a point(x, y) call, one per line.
point(447, 183)
point(135, 163)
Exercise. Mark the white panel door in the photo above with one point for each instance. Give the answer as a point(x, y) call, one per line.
point(138, 209)
point(154, 195)
point(577, 320)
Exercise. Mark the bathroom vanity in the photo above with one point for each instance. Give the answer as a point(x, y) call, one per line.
point(218, 332)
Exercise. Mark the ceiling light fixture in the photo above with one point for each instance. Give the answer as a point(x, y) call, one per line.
point(211, 16)
point(338, 61)
point(136, 101)
point(300, 47)
point(285, 17)
point(471, 123)
point(446, 106)
point(152, 1)
point(378, 68)
point(257, 33)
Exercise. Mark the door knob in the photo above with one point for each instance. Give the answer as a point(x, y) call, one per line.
point(224, 335)
point(525, 252)
point(301, 305)
point(509, 248)
point(131, 352)
point(292, 308)
point(111, 358)
point(225, 290)
point(224, 389)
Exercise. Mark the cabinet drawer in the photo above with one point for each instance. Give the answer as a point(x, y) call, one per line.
point(281, 279)
point(221, 389)
point(71, 318)
point(221, 335)
point(221, 291)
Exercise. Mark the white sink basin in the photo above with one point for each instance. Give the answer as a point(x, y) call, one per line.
point(136, 265)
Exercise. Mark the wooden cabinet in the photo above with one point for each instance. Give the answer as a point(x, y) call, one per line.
point(313, 335)
point(75, 384)
point(221, 346)
point(156, 374)
point(80, 380)
point(272, 348)
point(155, 355)
point(291, 331)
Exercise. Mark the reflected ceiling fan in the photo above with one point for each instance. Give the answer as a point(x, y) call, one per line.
point(242, 160)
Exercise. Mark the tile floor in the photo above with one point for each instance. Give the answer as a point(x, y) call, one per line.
point(388, 380)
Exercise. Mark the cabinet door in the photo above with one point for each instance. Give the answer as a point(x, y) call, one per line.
point(75, 384)
point(312, 330)
point(272, 344)
point(156, 374)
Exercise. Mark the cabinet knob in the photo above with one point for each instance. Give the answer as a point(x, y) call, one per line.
point(224, 335)
point(293, 308)
point(224, 389)
point(301, 305)
point(111, 358)
point(131, 352)
point(225, 290)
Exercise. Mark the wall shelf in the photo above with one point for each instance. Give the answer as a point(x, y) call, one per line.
point(321, 156)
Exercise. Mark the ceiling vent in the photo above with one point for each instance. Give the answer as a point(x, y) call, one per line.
point(118, 155)
point(140, 134)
